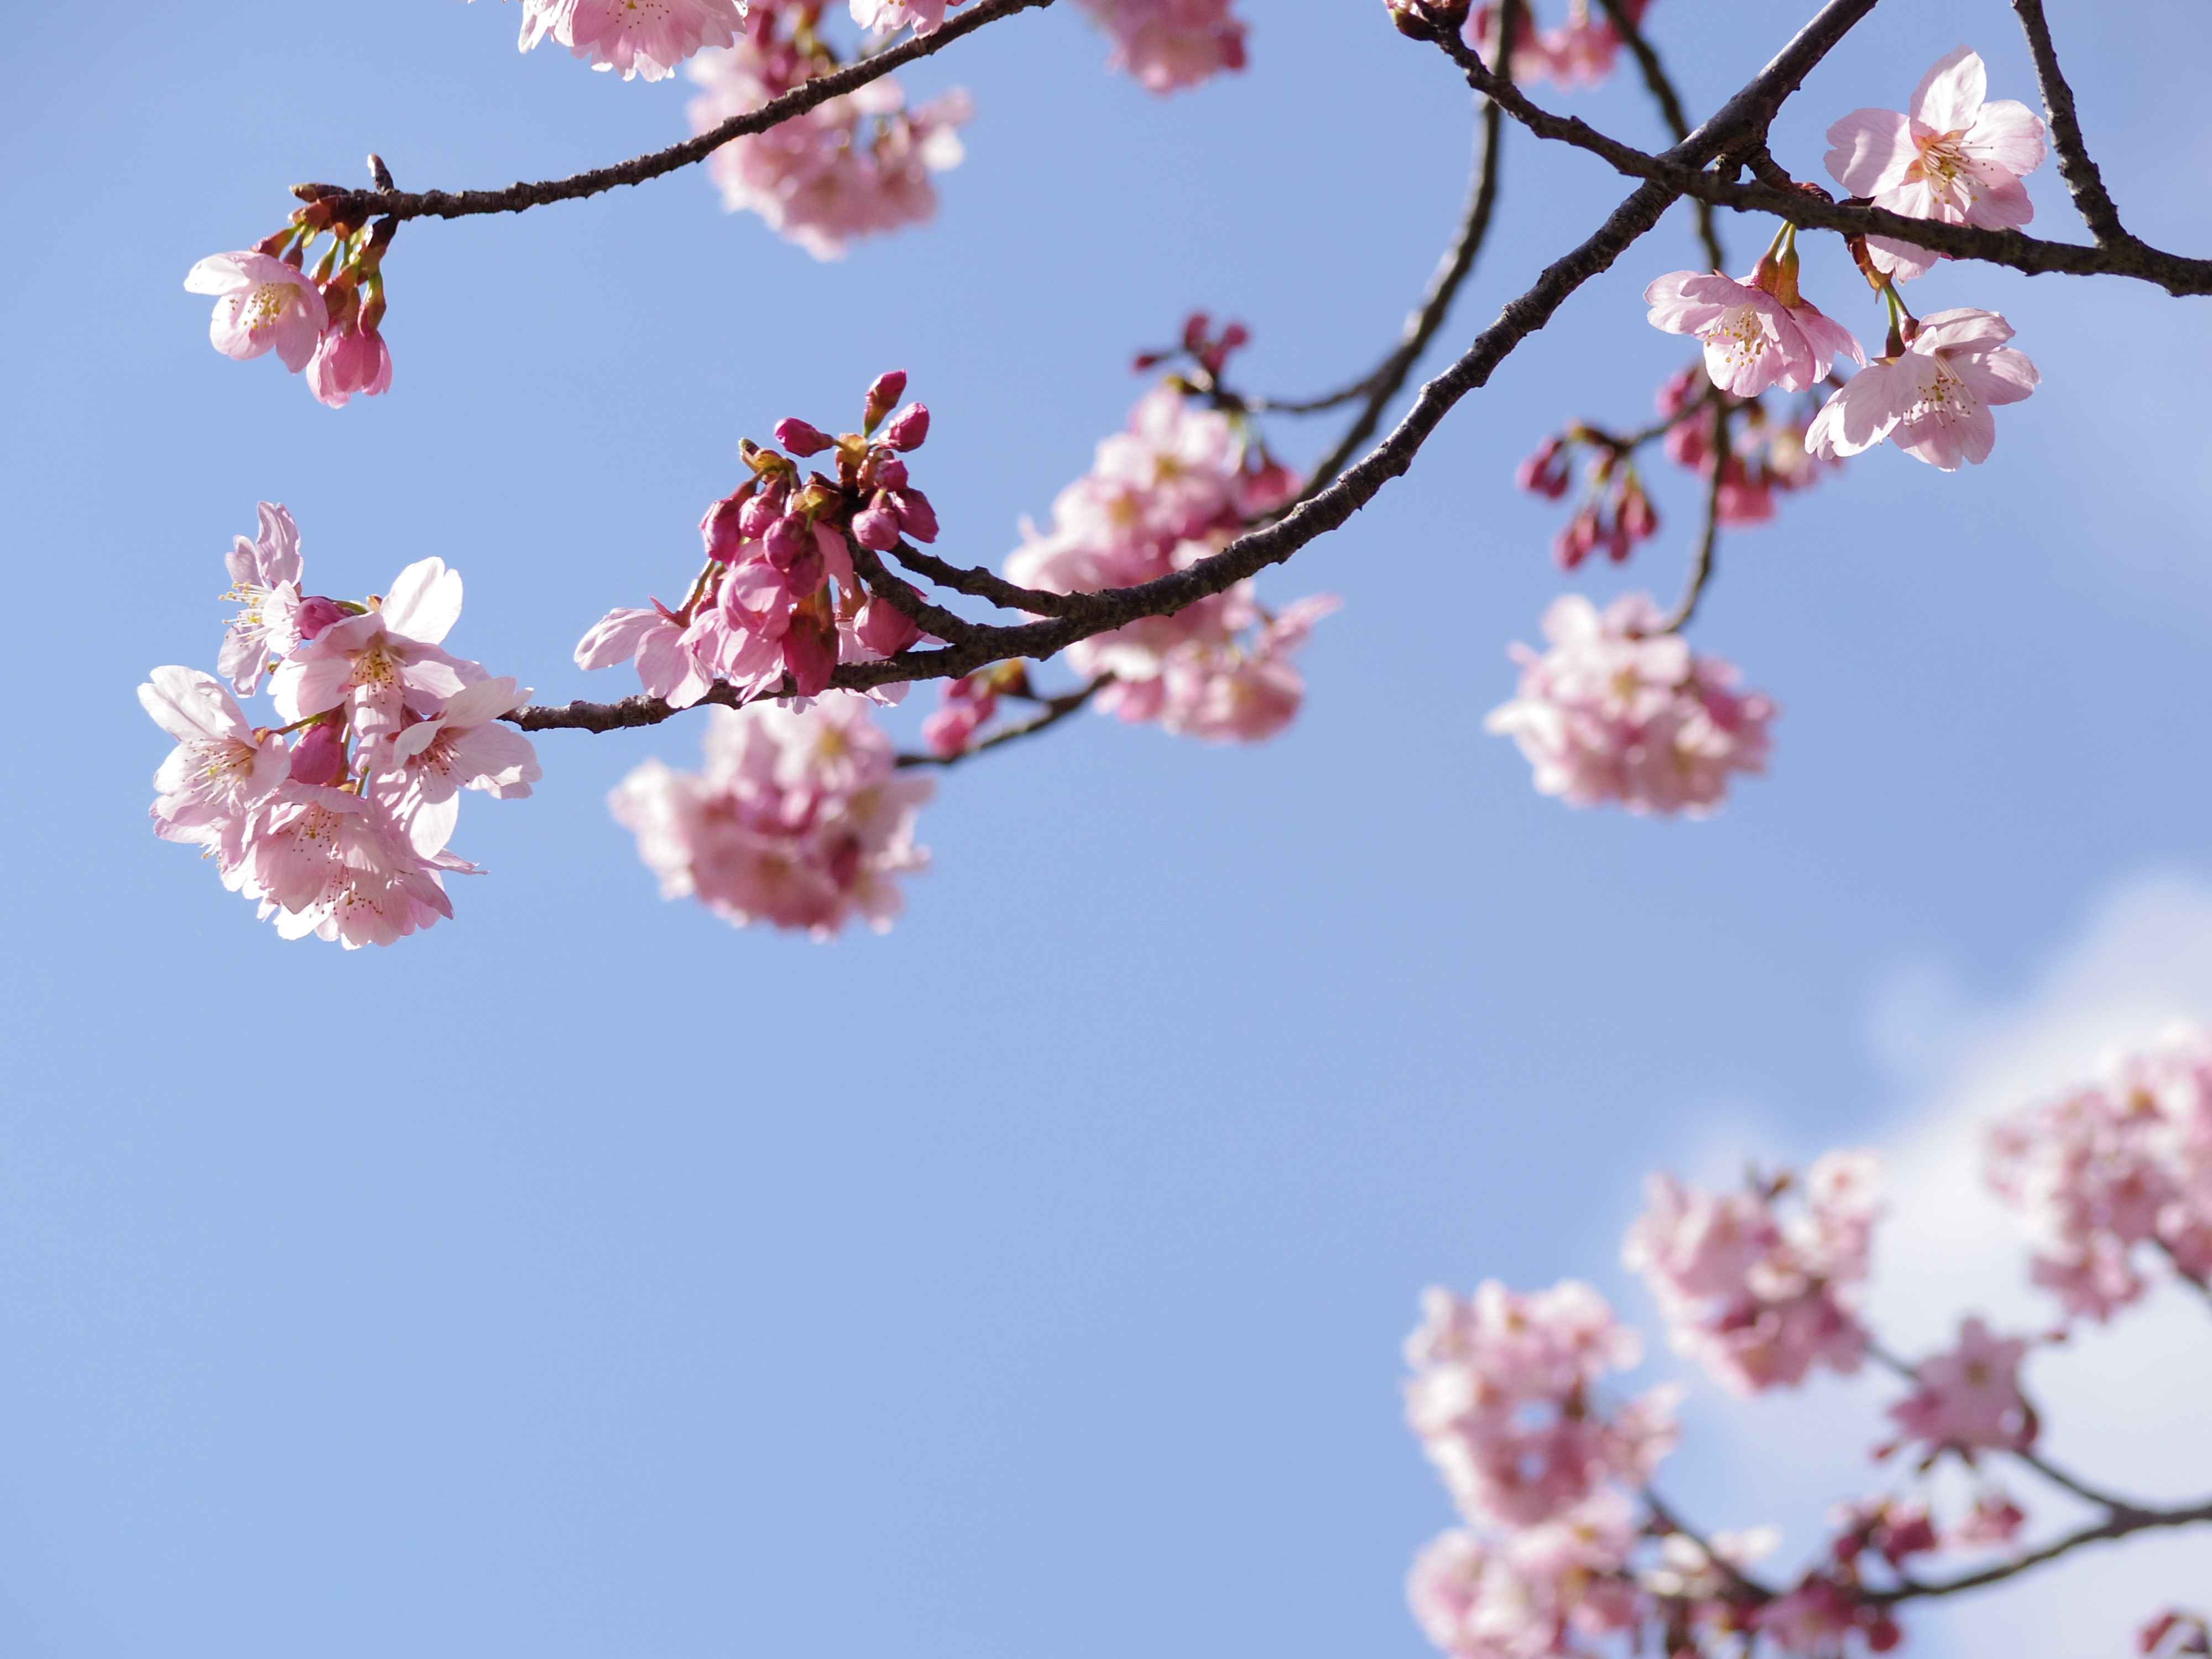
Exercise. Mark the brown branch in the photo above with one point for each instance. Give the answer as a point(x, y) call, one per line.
point(1737, 124)
point(2087, 185)
point(981, 583)
point(1701, 568)
point(2118, 1525)
point(1055, 709)
point(2176, 273)
point(930, 618)
point(358, 206)
point(1663, 93)
point(1746, 1586)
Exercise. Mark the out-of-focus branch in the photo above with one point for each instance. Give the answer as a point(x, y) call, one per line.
point(2117, 1525)
point(1051, 712)
point(1663, 94)
point(2090, 200)
point(1701, 567)
point(981, 583)
point(1736, 124)
point(358, 206)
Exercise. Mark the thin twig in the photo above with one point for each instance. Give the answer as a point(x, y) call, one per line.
point(901, 597)
point(1663, 93)
point(1701, 568)
point(2111, 1527)
point(982, 584)
point(1055, 709)
point(2083, 181)
point(358, 206)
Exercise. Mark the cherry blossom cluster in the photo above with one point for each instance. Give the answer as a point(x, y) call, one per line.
point(644, 39)
point(2115, 1171)
point(1579, 53)
point(1168, 45)
point(798, 817)
point(1179, 483)
point(1618, 708)
point(857, 164)
point(326, 321)
point(1616, 513)
point(341, 830)
point(1766, 455)
point(777, 597)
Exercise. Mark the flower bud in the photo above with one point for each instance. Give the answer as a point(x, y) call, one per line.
point(318, 754)
point(763, 510)
point(885, 630)
point(801, 439)
point(875, 527)
point(915, 515)
point(789, 539)
point(888, 471)
point(720, 529)
point(883, 397)
point(810, 649)
point(908, 428)
point(316, 612)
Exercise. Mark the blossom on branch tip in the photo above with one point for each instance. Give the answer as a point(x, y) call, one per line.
point(1968, 1398)
point(373, 663)
point(888, 16)
point(1168, 45)
point(1617, 709)
point(646, 38)
point(220, 768)
point(261, 304)
point(265, 579)
point(1933, 400)
point(1754, 337)
point(1956, 157)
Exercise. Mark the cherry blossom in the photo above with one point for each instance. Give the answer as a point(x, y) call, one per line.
point(220, 768)
point(1968, 1398)
point(1757, 1294)
point(463, 746)
point(887, 17)
point(655, 640)
point(340, 865)
point(265, 580)
point(373, 664)
point(348, 360)
point(1933, 400)
point(1757, 332)
point(1167, 45)
point(1579, 52)
point(1956, 157)
point(1617, 709)
point(1523, 1597)
point(261, 304)
point(797, 818)
point(645, 39)
point(857, 164)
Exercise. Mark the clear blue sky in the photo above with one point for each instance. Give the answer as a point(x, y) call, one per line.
point(588, 1279)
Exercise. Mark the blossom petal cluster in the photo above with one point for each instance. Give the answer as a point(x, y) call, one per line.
point(1619, 710)
point(861, 164)
point(1503, 1397)
point(1179, 483)
point(1169, 45)
point(777, 598)
point(1759, 1292)
point(327, 323)
point(1933, 400)
point(1956, 157)
point(1967, 1399)
point(641, 39)
point(1579, 52)
point(2115, 1172)
point(797, 818)
point(341, 831)
point(1758, 331)
point(1766, 455)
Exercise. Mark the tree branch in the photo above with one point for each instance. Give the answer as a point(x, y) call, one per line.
point(1739, 123)
point(1055, 709)
point(2083, 181)
point(1701, 568)
point(980, 584)
point(2121, 1525)
point(1670, 101)
point(357, 206)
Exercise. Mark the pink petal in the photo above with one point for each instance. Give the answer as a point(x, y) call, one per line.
point(1963, 329)
point(1949, 96)
point(1870, 150)
point(2003, 376)
point(2006, 134)
point(1861, 415)
point(614, 638)
point(425, 601)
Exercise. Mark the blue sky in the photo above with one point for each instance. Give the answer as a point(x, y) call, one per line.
point(584, 1277)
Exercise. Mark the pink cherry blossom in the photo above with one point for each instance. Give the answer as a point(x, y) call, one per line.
point(347, 361)
point(888, 16)
point(655, 640)
point(1500, 1395)
point(858, 165)
point(1955, 157)
point(1968, 1398)
point(798, 819)
point(1579, 52)
point(646, 38)
point(339, 865)
point(1757, 1294)
point(1933, 400)
point(262, 305)
point(265, 581)
point(1167, 45)
point(1617, 710)
point(1754, 338)
point(1532, 1594)
point(464, 746)
point(379, 664)
point(220, 768)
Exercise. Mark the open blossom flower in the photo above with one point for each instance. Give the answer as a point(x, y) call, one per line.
point(1957, 157)
point(642, 38)
point(1756, 1295)
point(262, 305)
point(888, 16)
point(2116, 1170)
point(1932, 400)
point(265, 580)
point(653, 639)
point(1968, 1399)
point(1526, 1595)
point(1617, 710)
point(373, 664)
point(341, 867)
point(1754, 337)
point(799, 818)
point(1167, 45)
point(220, 768)
point(1501, 1396)
point(1172, 488)
point(465, 745)
point(857, 164)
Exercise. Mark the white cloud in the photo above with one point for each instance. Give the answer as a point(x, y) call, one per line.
point(2129, 1406)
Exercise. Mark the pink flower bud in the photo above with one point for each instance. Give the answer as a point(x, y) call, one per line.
point(1578, 541)
point(889, 470)
point(809, 651)
point(801, 439)
point(316, 612)
point(764, 510)
point(908, 428)
point(875, 527)
point(1637, 516)
point(318, 754)
point(884, 395)
point(915, 515)
point(947, 732)
point(722, 530)
point(886, 630)
point(788, 538)
point(1194, 329)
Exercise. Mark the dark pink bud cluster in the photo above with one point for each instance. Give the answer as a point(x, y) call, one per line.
point(970, 701)
point(1200, 345)
point(1616, 516)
